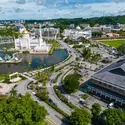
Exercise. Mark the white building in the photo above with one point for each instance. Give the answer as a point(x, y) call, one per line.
point(96, 29)
point(26, 42)
point(50, 33)
point(106, 29)
point(6, 39)
point(76, 33)
point(20, 27)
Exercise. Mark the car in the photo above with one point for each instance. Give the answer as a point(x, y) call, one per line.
point(110, 105)
point(33, 93)
point(50, 100)
point(82, 101)
point(55, 103)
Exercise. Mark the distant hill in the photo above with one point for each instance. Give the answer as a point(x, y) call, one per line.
point(91, 21)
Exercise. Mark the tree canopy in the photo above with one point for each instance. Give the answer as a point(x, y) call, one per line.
point(9, 32)
point(92, 21)
point(43, 94)
point(97, 34)
point(96, 110)
point(80, 117)
point(113, 117)
point(71, 82)
point(87, 53)
point(121, 49)
point(21, 111)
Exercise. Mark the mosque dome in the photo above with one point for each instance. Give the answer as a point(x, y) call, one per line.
point(78, 28)
point(25, 32)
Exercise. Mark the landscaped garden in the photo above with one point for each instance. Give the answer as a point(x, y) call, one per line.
point(113, 43)
point(4, 78)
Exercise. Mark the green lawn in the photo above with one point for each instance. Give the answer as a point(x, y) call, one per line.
point(113, 43)
point(4, 78)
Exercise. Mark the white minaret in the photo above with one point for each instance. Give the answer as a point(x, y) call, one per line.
point(41, 38)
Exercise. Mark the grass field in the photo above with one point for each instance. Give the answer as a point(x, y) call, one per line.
point(113, 43)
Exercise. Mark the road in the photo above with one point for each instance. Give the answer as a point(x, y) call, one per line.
point(50, 89)
point(52, 114)
point(22, 87)
point(53, 95)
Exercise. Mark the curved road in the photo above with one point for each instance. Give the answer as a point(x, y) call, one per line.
point(52, 114)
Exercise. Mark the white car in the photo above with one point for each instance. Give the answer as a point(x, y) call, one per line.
point(33, 93)
point(110, 105)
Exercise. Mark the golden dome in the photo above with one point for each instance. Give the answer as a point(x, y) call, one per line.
point(25, 32)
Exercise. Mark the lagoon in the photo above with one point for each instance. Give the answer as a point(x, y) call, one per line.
point(32, 62)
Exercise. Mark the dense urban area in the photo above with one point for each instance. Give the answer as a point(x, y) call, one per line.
point(62, 71)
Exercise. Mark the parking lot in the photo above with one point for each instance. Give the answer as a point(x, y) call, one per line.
point(91, 100)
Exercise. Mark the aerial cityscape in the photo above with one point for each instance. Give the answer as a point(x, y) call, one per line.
point(62, 62)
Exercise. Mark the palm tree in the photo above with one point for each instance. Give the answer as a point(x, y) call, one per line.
point(13, 92)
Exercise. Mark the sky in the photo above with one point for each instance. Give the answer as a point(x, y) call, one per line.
point(53, 9)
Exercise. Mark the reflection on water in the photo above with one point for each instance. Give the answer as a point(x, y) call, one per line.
point(33, 61)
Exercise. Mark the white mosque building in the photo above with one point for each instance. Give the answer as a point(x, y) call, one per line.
point(31, 44)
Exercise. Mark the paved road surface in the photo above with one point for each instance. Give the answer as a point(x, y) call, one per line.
point(52, 114)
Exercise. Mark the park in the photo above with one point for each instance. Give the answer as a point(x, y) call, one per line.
point(113, 43)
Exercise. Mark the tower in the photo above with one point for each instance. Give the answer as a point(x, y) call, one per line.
point(40, 38)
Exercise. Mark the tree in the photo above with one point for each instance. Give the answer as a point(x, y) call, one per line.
point(80, 117)
point(97, 34)
point(83, 40)
point(67, 40)
point(121, 49)
point(43, 94)
point(2, 97)
point(21, 111)
point(95, 58)
point(13, 92)
point(52, 67)
point(96, 110)
point(61, 26)
point(112, 117)
point(121, 32)
point(71, 82)
point(86, 53)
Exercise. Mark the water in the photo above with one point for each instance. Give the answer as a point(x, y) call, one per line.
point(31, 62)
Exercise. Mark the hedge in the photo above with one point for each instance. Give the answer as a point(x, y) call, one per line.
point(63, 98)
point(55, 80)
point(57, 109)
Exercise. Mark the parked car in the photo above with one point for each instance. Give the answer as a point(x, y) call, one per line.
point(110, 105)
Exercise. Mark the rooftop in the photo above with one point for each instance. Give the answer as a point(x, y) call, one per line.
point(113, 74)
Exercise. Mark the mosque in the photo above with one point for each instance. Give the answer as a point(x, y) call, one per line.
point(32, 44)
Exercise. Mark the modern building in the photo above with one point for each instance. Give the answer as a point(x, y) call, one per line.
point(50, 33)
point(96, 29)
point(72, 25)
point(109, 83)
point(6, 39)
point(106, 29)
point(85, 26)
point(76, 33)
point(2, 26)
point(20, 27)
point(32, 44)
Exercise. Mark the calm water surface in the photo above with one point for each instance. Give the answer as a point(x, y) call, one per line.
point(33, 61)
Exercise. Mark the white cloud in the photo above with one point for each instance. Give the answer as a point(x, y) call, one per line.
point(46, 9)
